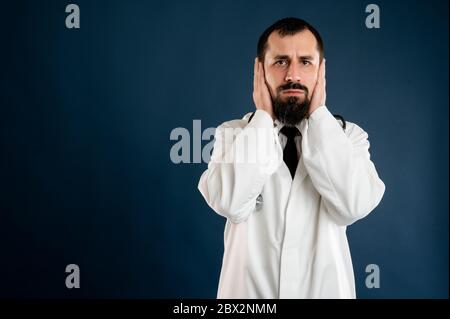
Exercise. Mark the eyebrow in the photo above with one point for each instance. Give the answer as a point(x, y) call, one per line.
point(286, 57)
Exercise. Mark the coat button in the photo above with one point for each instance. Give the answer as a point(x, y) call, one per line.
point(259, 201)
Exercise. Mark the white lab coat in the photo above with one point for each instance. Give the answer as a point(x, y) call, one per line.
point(294, 243)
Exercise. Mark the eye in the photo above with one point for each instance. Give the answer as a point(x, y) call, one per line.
point(281, 62)
point(306, 62)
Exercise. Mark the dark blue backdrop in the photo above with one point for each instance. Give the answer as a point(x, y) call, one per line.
point(86, 116)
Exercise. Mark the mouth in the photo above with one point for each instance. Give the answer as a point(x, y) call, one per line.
point(293, 92)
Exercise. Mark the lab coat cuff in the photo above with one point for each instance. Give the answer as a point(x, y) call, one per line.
point(261, 119)
point(320, 113)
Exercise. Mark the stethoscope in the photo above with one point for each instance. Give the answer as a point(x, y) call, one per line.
point(259, 199)
point(337, 116)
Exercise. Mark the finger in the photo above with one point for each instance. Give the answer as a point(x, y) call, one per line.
point(262, 80)
point(318, 84)
point(324, 79)
point(255, 75)
point(258, 72)
point(320, 75)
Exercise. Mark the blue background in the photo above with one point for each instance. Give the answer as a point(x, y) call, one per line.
point(86, 116)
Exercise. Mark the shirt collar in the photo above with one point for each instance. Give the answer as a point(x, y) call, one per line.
point(300, 126)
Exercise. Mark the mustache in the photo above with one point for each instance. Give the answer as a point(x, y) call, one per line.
point(293, 86)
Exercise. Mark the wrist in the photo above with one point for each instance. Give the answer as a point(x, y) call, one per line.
point(263, 116)
point(268, 112)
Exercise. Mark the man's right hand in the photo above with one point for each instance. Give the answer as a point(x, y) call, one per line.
point(261, 94)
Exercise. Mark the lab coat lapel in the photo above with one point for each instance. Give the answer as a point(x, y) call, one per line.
point(300, 172)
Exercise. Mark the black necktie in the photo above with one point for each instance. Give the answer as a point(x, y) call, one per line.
point(290, 150)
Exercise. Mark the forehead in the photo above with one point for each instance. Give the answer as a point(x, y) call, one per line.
point(301, 43)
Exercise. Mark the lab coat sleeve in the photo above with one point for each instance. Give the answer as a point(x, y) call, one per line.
point(340, 168)
point(241, 162)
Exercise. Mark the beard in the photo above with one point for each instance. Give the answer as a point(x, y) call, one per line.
point(292, 110)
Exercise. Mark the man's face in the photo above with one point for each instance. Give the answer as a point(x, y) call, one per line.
point(291, 67)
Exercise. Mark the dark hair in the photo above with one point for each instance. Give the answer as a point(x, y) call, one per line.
point(287, 26)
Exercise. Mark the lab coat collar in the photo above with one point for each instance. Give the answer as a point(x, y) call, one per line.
point(300, 126)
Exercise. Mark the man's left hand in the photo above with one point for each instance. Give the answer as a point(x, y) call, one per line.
point(319, 94)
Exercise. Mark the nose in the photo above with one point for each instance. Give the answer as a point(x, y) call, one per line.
point(293, 74)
